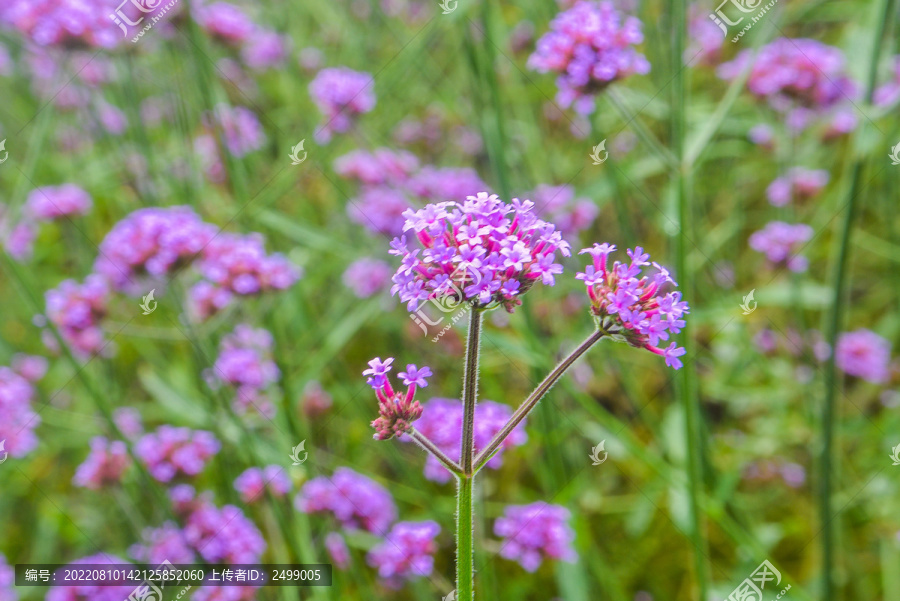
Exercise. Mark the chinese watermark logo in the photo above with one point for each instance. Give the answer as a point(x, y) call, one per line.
point(595, 155)
point(751, 588)
point(744, 6)
point(448, 6)
point(144, 6)
point(6, 154)
point(448, 298)
point(295, 453)
point(3, 453)
point(746, 304)
point(450, 597)
point(895, 455)
point(295, 151)
point(595, 453)
point(148, 304)
point(895, 154)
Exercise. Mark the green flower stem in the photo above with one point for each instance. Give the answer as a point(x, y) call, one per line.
point(465, 539)
point(531, 402)
point(430, 447)
point(470, 390)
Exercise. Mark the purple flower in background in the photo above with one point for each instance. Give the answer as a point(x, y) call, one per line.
point(432, 183)
point(166, 543)
point(455, 268)
point(632, 306)
point(889, 94)
point(354, 500)
point(223, 535)
point(590, 46)
point(762, 135)
point(66, 23)
point(104, 466)
point(779, 240)
point(77, 310)
point(30, 367)
point(7, 581)
point(705, 48)
point(264, 50)
point(240, 127)
point(245, 363)
point(17, 420)
point(864, 354)
point(337, 550)
point(205, 300)
point(171, 451)
point(367, 276)
point(153, 242)
point(380, 210)
point(798, 183)
point(225, 21)
point(128, 420)
point(381, 167)
point(406, 553)
point(341, 94)
point(441, 423)
point(559, 205)
point(52, 202)
point(91, 592)
point(396, 410)
point(534, 532)
point(252, 483)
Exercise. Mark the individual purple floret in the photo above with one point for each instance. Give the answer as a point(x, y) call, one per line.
point(482, 251)
point(17, 420)
point(337, 550)
point(171, 451)
point(104, 466)
point(558, 205)
point(77, 310)
point(590, 46)
point(225, 21)
point(406, 553)
point(367, 276)
point(341, 94)
point(241, 129)
point(166, 543)
point(7, 581)
point(90, 591)
point(396, 410)
point(632, 307)
point(441, 423)
point(381, 167)
point(799, 183)
point(779, 241)
point(534, 532)
point(151, 242)
point(66, 23)
point(864, 354)
point(264, 50)
point(356, 501)
point(252, 483)
point(52, 202)
point(245, 363)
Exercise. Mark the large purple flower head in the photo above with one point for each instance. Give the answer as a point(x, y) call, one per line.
point(534, 532)
point(590, 46)
point(172, 451)
point(354, 500)
point(406, 553)
point(483, 251)
point(396, 410)
point(341, 94)
point(105, 464)
point(864, 354)
point(66, 23)
point(632, 307)
point(441, 423)
point(779, 241)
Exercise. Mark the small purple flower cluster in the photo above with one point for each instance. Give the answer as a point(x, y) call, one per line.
point(407, 552)
point(383, 167)
point(779, 240)
point(354, 500)
point(799, 183)
point(128, 421)
point(239, 265)
point(245, 363)
point(864, 354)
point(226, 22)
point(441, 423)
point(67, 23)
point(264, 50)
point(534, 532)
point(705, 37)
point(105, 464)
point(341, 94)
point(482, 251)
point(396, 410)
point(17, 420)
point(253, 482)
point(165, 543)
point(77, 310)
point(367, 276)
point(90, 591)
point(337, 550)
point(171, 451)
point(590, 46)
point(632, 307)
point(558, 205)
point(242, 132)
point(52, 202)
point(802, 78)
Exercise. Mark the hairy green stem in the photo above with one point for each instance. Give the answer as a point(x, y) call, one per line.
point(470, 391)
point(531, 402)
point(465, 539)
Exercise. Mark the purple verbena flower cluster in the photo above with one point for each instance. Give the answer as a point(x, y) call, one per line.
point(705, 37)
point(798, 183)
point(105, 464)
point(590, 46)
point(341, 94)
point(406, 553)
point(864, 354)
point(632, 307)
point(441, 423)
point(128, 420)
point(253, 482)
point(354, 500)
point(245, 363)
point(17, 420)
point(558, 205)
point(239, 265)
point(225, 21)
point(337, 550)
point(482, 251)
point(171, 451)
point(534, 532)
point(779, 241)
point(52, 202)
point(77, 310)
point(396, 410)
point(166, 543)
point(66, 23)
point(367, 276)
point(240, 127)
